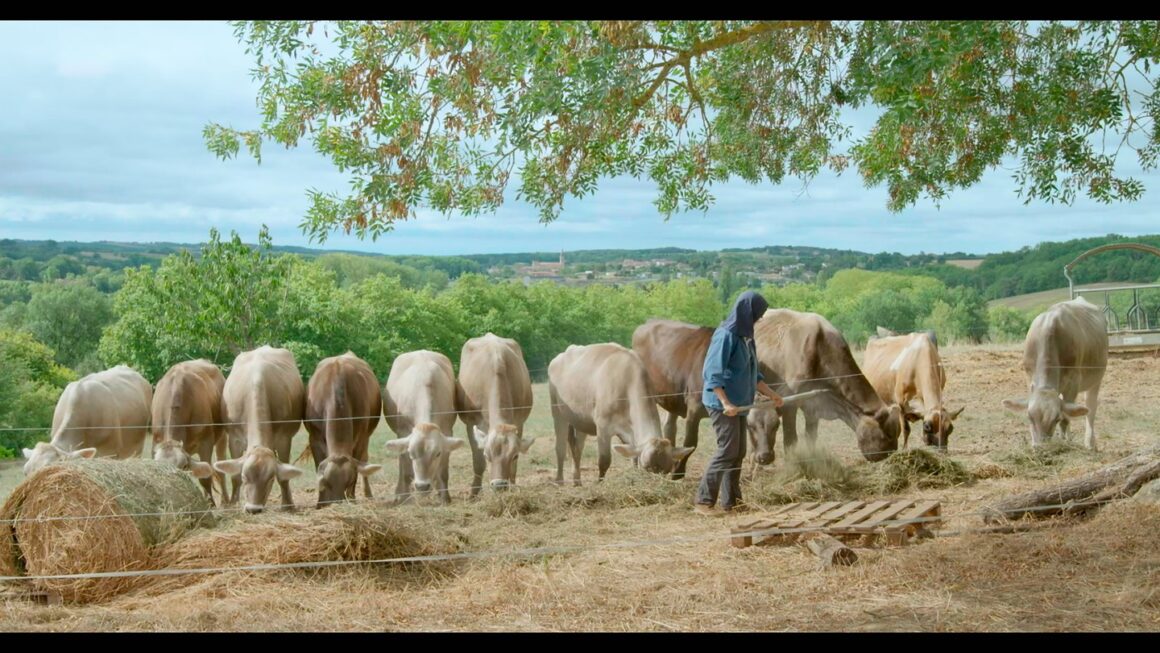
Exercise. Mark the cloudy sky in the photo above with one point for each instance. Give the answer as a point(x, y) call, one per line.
point(100, 139)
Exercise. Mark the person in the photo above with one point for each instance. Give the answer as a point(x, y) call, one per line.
point(731, 380)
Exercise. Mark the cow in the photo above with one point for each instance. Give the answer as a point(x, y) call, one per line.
point(802, 352)
point(187, 418)
point(1065, 353)
point(343, 407)
point(883, 332)
point(496, 401)
point(103, 414)
point(762, 424)
point(673, 353)
point(421, 400)
point(603, 390)
point(907, 371)
point(263, 403)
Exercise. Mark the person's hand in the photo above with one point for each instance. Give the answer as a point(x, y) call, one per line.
point(777, 402)
point(730, 409)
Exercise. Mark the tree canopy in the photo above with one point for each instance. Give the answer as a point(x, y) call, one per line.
point(443, 114)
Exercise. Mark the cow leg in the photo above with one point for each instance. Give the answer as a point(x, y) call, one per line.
point(361, 452)
point(576, 441)
point(1091, 399)
point(317, 445)
point(478, 464)
point(789, 428)
point(406, 476)
point(282, 448)
point(444, 478)
point(692, 429)
point(1064, 421)
point(811, 427)
point(670, 427)
point(237, 443)
point(205, 454)
point(604, 451)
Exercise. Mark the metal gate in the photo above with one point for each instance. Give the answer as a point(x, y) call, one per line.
point(1134, 329)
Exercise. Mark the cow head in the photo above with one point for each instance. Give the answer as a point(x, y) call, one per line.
point(1045, 409)
point(762, 425)
point(656, 455)
point(172, 452)
point(878, 433)
point(338, 476)
point(426, 446)
point(502, 446)
point(937, 427)
point(259, 468)
point(47, 453)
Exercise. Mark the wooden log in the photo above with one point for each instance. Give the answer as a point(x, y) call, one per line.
point(830, 550)
point(1099, 486)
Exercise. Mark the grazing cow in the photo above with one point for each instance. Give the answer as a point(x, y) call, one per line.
point(263, 402)
point(802, 352)
point(1065, 353)
point(421, 399)
point(673, 353)
point(603, 390)
point(762, 424)
point(906, 370)
point(496, 401)
point(103, 414)
point(187, 418)
point(343, 407)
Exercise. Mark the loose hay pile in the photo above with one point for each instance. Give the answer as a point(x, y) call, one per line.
point(807, 474)
point(340, 532)
point(918, 468)
point(90, 516)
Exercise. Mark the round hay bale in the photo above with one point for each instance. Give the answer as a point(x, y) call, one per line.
point(90, 516)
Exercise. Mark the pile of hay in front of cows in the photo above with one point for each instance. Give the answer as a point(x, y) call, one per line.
point(70, 523)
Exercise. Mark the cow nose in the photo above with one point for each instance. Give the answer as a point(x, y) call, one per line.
point(253, 510)
point(764, 458)
point(499, 484)
point(422, 487)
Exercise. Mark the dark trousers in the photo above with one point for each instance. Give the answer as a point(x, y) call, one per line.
point(724, 471)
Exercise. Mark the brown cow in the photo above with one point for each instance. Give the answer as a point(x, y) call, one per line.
point(674, 355)
point(421, 401)
point(263, 402)
point(802, 352)
point(343, 407)
point(906, 370)
point(496, 401)
point(603, 390)
point(187, 418)
point(103, 414)
point(1065, 353)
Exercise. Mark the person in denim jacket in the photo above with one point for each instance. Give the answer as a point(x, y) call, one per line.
point(732, 379)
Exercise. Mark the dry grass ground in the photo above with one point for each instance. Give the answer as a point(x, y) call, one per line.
point(630, 555)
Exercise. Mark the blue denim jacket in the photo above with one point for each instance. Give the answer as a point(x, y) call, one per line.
point(730, 363)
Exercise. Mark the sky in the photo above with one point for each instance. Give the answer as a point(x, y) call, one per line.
point(101, 139)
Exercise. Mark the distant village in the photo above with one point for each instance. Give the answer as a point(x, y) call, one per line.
point(629, 271)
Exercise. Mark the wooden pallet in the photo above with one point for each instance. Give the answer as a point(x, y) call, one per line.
point(850, 520)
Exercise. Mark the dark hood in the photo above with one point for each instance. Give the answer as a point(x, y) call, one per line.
point(748, 308)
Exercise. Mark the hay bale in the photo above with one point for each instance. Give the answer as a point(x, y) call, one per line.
point(807, 474)
point(87, 516)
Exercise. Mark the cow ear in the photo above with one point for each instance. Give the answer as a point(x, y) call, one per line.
point(286, 472)
point(479, 436)
point(1074, 410)
point(681, 453)
point(399, 445)
point(231, 467)
point(28, 453)
point(626, 450)
point(367, 470)
point(452, 443)
point(955, 414)
point(1017, 405)
point(526, 443)
point(84, 453)
point(911, 416)
point(201, 470)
